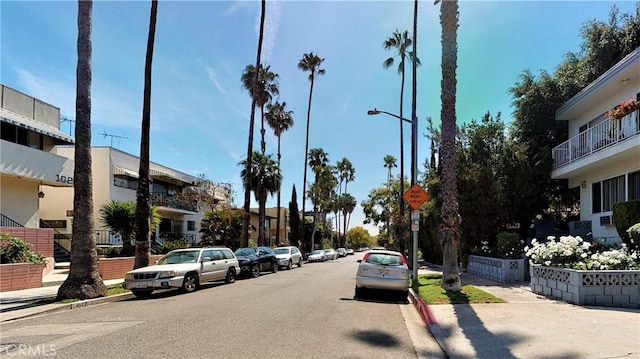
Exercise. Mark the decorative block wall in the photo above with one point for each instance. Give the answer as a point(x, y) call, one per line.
point(499, 270)
point(16, 276)
point(609, 288)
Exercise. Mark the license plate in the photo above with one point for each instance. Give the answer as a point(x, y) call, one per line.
point(140, 285)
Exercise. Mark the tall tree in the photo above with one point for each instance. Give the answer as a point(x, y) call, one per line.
point(142, 194)
point(451, 218)
point(264, 179)
point(294, 219)
point(348, 205)
point(280, 120)
point(309, 63)
point(83, 281)
point(346, 173)
point(244, 237)
point(263, 91)
point(389, 163)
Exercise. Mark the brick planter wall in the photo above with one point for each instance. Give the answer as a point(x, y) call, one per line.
point(116, 268)
point(608, 288)
point(497, 269)
point(16, 276)
point(41, 240)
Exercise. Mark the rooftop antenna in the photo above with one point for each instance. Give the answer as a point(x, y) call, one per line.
point(105, 134)
point(64, 119)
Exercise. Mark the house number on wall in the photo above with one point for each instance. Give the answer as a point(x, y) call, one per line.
point(64, 179)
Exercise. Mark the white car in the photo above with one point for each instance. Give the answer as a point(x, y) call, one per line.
point(288, 256)
point(317, 256)
point(382, 269)
point(184, 268)
point(330, 254)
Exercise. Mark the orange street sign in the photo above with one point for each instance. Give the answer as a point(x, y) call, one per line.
point(415, 196)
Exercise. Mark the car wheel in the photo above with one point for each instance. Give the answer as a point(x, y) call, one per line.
point(300, 262)
point(231, 276)
point(255, 270)
point(289, 265)
point(142, 293)
point(359, 292)
point(274, 266)
point(190, 283)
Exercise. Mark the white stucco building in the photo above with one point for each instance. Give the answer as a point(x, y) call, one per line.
point(602, 157)
point(28, 162)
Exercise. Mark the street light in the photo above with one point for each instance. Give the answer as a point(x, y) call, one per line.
point(375, 111)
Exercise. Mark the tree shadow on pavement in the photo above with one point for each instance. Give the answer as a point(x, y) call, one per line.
point(375, 337)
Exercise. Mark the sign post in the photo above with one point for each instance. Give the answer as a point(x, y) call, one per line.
point(415, 197)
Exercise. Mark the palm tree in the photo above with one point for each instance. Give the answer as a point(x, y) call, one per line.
point(450, 216)
point(309, 63)
point(321, 193)
point(280, 120)
point(318, 161)
point(244, 237)
point(263, 90)
point(348, 205)
point(120, 217)
point(400, 42)
point(264, 179)
point(389, 163)
point(142, 194)
point(83, 281)
point(346, 174)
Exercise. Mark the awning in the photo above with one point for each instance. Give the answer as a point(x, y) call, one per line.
point(157, 173)
point(124, 172)
point(33, 125)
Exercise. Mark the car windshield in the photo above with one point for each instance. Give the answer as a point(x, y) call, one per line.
point(384, 259)
point(281, 250)
point(317, 251)
point(180, 257)
point(245, 252)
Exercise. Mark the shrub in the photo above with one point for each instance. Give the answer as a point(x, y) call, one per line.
point(625, 215)
point(574, 253)
point(509, 245)
point(16, 250)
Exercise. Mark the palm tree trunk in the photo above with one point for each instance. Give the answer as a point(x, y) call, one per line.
point(304, 177)
point(398, 228)
point(261, 218)
point(278, 204)
point(450, 215)
point(142, 204)
point(263, 145)
point(83, 281)
point(244, 236)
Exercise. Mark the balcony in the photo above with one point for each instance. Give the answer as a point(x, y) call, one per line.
point(178, 201)
point(603, 135)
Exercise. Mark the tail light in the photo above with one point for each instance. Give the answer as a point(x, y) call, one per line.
point(366, 255)
point(404, 260)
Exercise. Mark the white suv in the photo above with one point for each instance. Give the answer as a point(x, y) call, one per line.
point(184, 268)
point(288, 256)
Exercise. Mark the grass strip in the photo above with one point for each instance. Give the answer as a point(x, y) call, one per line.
point(430, 290)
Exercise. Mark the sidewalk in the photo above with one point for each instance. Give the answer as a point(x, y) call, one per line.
point(20, 303)
point(531, 326)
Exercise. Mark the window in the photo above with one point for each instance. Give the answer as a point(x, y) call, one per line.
point(634, 186)
point(191, 225)
point(606, 193)
point(125, 182)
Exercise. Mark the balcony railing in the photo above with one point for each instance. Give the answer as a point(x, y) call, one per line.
point(605, 134)
point(179, 201)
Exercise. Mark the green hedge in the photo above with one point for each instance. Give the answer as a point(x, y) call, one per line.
point(625, 215)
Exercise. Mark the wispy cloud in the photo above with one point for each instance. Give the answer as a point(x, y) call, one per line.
point(211, 73)
point(271, 24)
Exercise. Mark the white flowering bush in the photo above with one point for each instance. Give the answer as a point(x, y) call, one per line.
point(574, 253)
point(634, 233)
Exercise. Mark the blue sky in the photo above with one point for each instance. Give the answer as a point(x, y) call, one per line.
point(200, 113)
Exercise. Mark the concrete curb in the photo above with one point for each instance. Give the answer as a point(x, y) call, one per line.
point(429, 320)
point(52, 308)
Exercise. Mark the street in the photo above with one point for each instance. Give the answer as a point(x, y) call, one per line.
point(307, 312)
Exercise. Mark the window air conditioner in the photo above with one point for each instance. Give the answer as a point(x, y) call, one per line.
point(606, 221)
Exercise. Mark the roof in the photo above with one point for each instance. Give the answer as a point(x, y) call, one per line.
point(33, 125)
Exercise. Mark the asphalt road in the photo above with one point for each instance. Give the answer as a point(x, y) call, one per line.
point(307, 312)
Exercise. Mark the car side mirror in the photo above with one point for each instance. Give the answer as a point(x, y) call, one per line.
point(359, 261)
point(207, 259)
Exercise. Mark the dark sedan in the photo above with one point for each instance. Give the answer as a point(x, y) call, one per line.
point(255, 260)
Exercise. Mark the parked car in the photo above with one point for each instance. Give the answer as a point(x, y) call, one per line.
point(382, 269)
point(255, 260)
point(341, 252)
point(288, 256)
point(184, 268)
point(349, 252)
point(317, 256)
point(330, 254)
